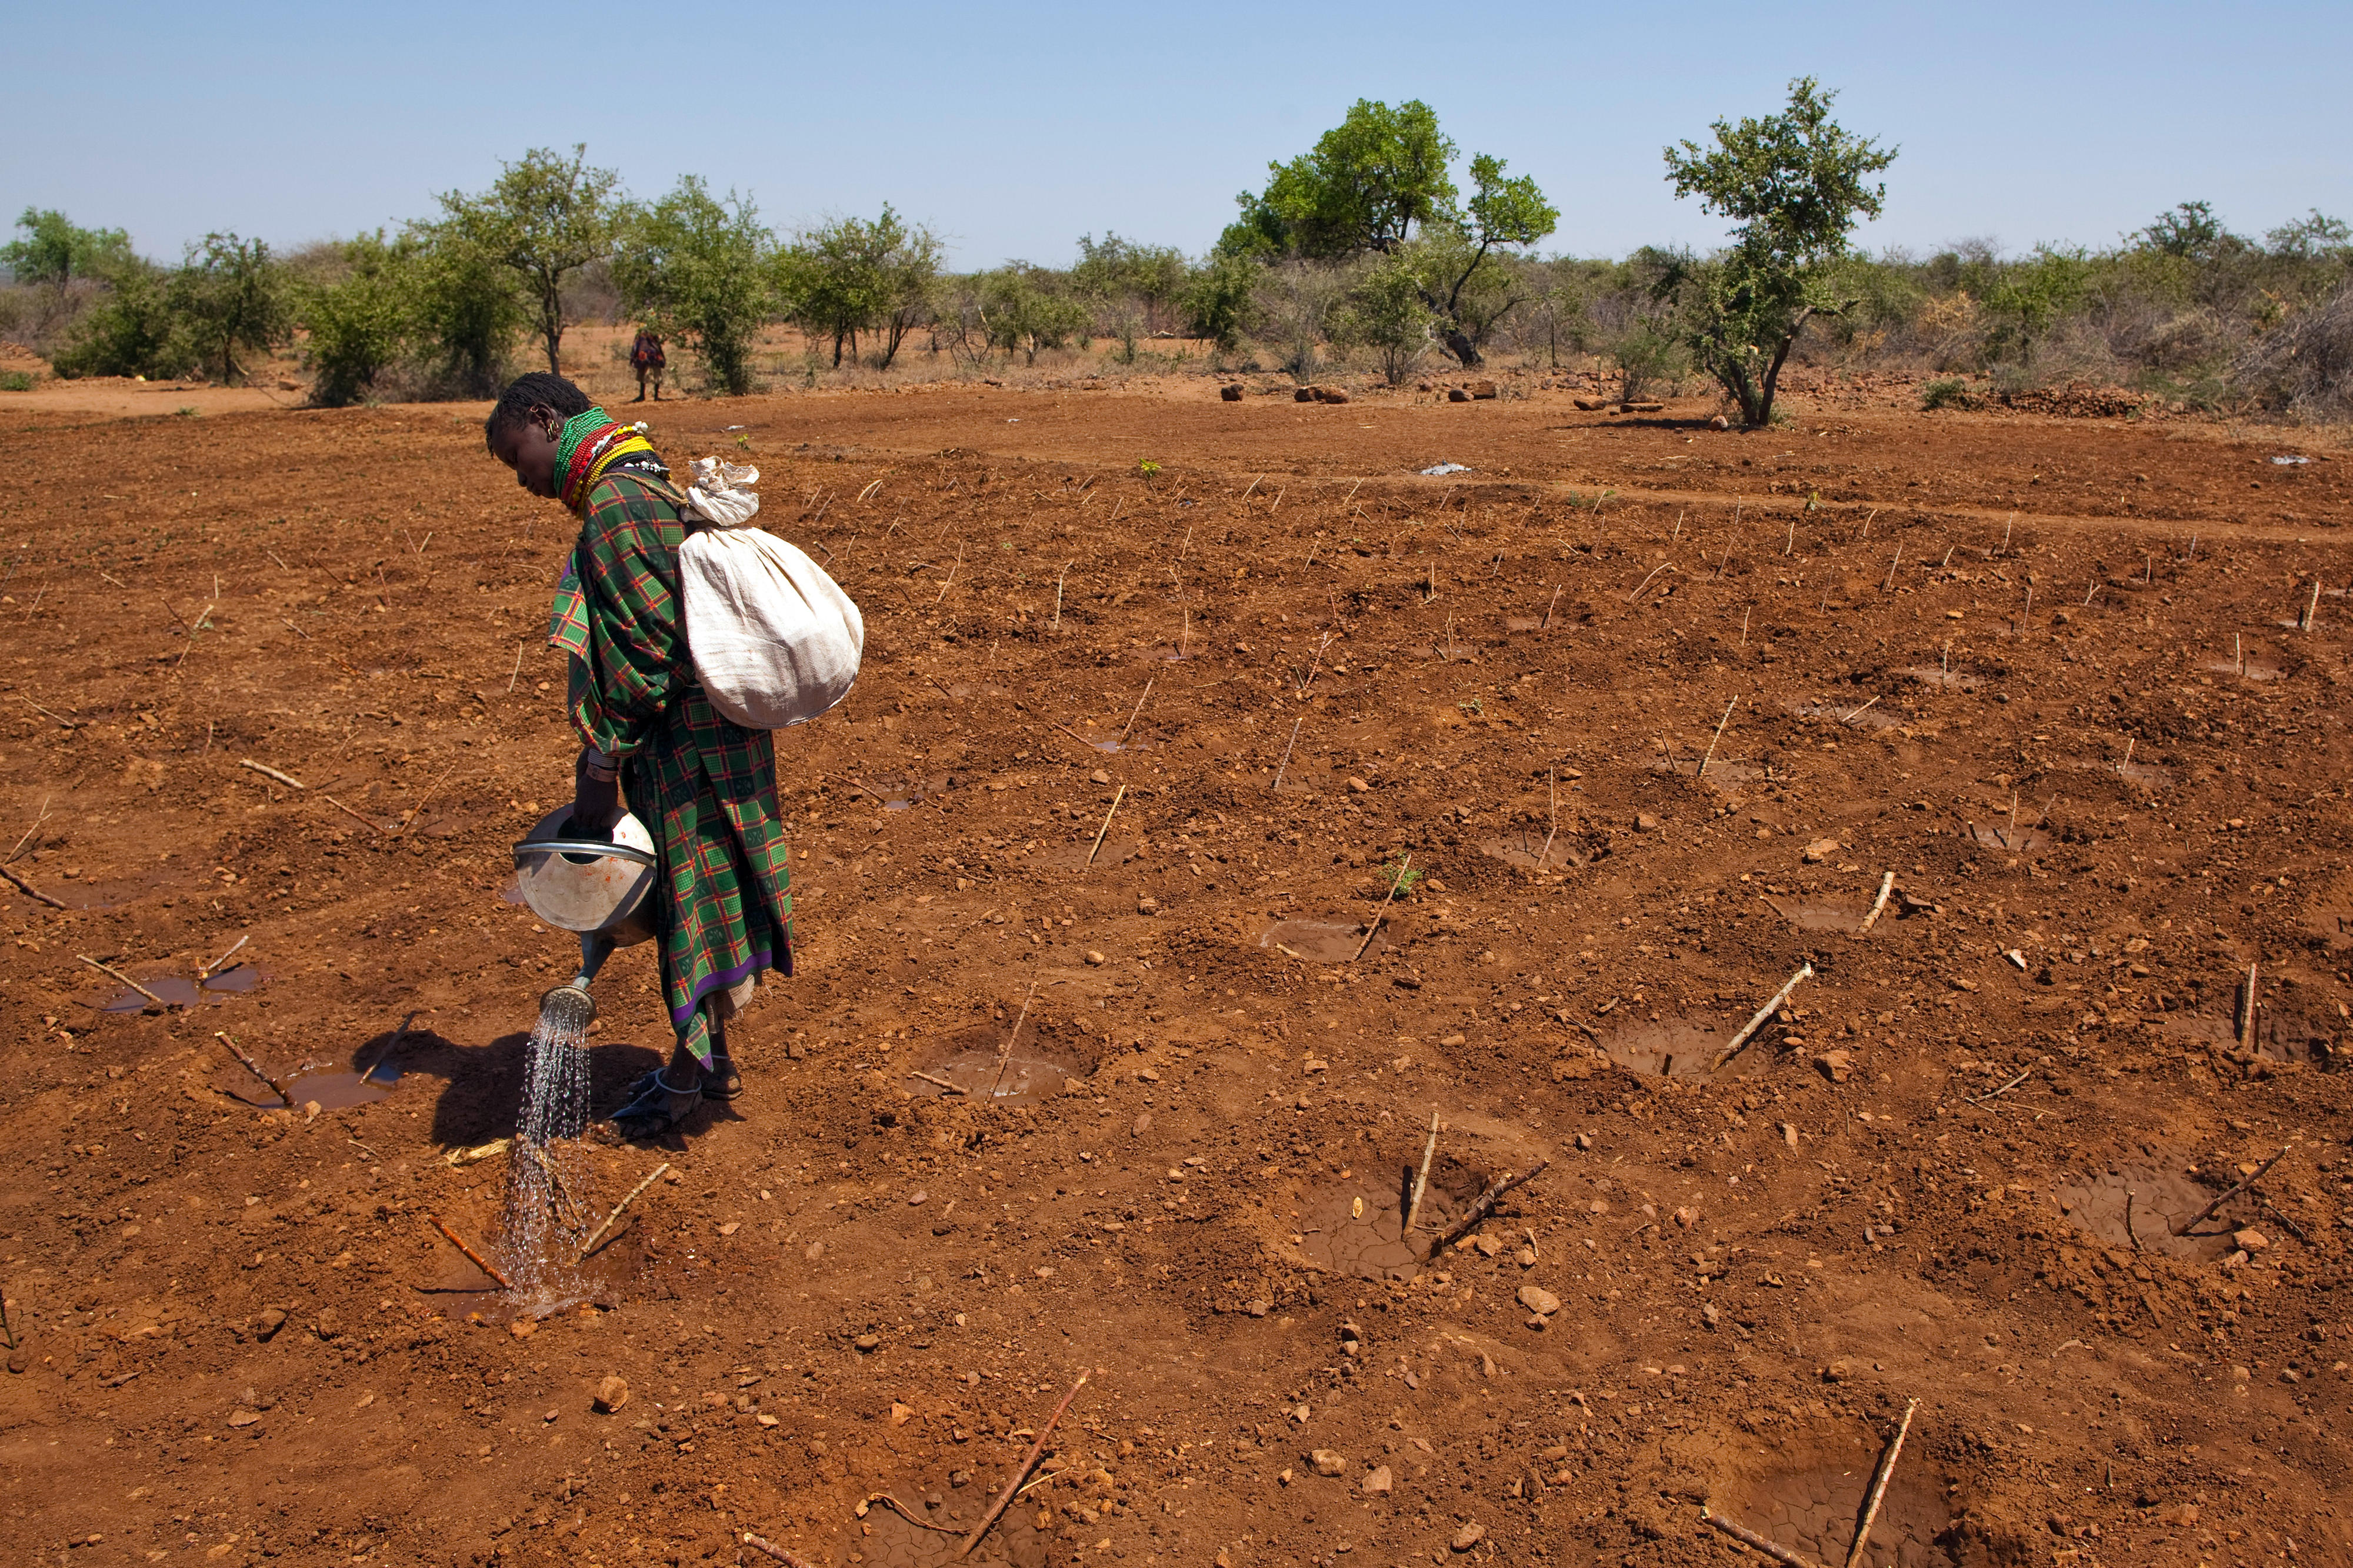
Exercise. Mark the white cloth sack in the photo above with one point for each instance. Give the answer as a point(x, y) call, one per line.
point(775, 640)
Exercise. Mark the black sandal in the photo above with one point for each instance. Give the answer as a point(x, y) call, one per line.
point(654, 1109)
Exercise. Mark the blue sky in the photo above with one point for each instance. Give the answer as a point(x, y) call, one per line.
point(1014, 129)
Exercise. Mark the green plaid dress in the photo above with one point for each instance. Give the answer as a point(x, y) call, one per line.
point(705, 788)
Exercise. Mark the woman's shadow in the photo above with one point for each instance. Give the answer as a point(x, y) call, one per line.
point(481, 1094)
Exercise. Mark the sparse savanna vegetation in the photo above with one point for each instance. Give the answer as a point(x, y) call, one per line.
point(1380, 252)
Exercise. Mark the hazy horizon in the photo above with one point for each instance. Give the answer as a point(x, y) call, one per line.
point(1012, 139)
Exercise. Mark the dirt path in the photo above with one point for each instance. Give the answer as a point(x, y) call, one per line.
point(1950, 1169)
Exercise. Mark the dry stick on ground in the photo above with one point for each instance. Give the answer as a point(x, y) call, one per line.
point(1892, 563)
point(1886, 886)
point(1117, 796)
point(846, 778)
point(1546, 622)
point(1879, 1487)
point(1058, 593)
point(762, 1544)
point(270, 772)
point(2311, 611)
point(207, 972)
point(944, 1085)
point(903, 1511)
point(2247, 1013)
point(951, 578)
point(1744, 623)
point(117, 973)
point(1286, 755)
point(1004, 1057)
point(617, 1207)
point(2208, 1212)
point(418, 811)
point(514, 676)
point(1421, 1182)
point(63, 722)
point(1733, 1047)
point(1373, 929)
point(373, 826)
point(480, 1261)
point(1857, 713)
point(1028, 1462)
point(1720, 723)
point(1138, 709)
point(2131, 1197)
point(1486, 1203)
point(1552, 791)
point(1747, 1537)
point(254, 1067)
point(1997, 1093)
point(1662, 567)
point(944, 690)
point(29, 891)
point(1245, 491)
point(2293, 1229)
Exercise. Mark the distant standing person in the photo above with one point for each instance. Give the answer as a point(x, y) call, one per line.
point(646, 357)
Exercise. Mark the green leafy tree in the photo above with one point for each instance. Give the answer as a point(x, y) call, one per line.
point(229, 295)
point(131, 331)
point(1379, 181)
point(362, 323)
point(848, 275)
point(1133, 287)
point(698, 269)
point(1794, 183)
point(1219, 300)
point(543, 219)
point(1384, 311)
point(54, 251)
point(469, 310)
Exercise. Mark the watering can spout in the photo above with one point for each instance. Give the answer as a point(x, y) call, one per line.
point(569, 1008)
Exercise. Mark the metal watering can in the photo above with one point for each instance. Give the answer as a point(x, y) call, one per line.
point(590, 885)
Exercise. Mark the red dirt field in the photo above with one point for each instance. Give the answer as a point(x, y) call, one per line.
point(1655, 708)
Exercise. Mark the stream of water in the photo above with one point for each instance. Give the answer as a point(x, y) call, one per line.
point(545, 1219)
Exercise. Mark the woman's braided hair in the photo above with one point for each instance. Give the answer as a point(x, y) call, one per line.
point(538, 389)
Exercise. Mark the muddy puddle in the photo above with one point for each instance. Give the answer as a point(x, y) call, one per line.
point(2251, 669)
point(2159, 1200)
point(1816, 1507)
point(2281, 1036)
point(311, 1083)
point(101, 893)
point(1865, 715)
point(1722, 773)
point(1354, 1225)
point(2013, 840)
point(948, 1512)
point(2145, 775)
point(974, 1064)
point(1072, 856)
point(1677, 1048)
point(1530, 853)
point(1823, 914)
point(1938, 678)
point(1323, 942)
point(179, 991)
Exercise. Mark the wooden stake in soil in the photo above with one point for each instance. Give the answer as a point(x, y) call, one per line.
point(373, 826)
point(2247, 1013)
point(1859, 712)
point(1373, 929)
point(1138, 710)
point(1004, 1057)
point(1886, 886)
point(254, 1067)
point(1028, 1462)
point(1747, 1537)
point(951, 581)
point(117, 973)
point(1058, 593)
point(29, 891)
point(1552, 791)
point(2311, 610)
point(2208, 1212)
point(480, 1262)
point(1421, 1182)
point(1486, 1203)
point(1286, 755)
point(1720, 723)
point(625, 1203)
point(1733, 1047)
point(1117, 796)
point(1547, 623)
point(1879, 1487)
point(209, 969)
point(760, 1543)
point(1892, 560)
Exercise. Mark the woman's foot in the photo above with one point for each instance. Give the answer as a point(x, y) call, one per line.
point(655, 1108)
point(723, 1082)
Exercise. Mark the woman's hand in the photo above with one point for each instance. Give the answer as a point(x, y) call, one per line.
point(595, 795)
